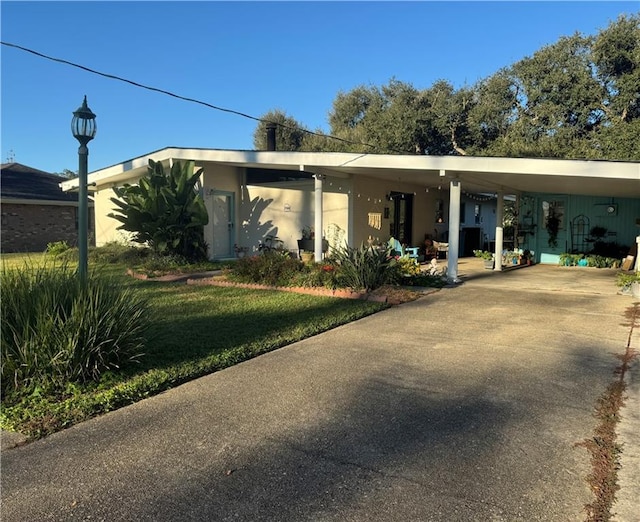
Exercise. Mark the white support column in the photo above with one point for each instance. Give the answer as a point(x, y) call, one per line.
point(499, 231)
point(317, 246)
point(454, 231)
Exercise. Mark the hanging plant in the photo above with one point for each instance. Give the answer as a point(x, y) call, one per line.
point(553, 226)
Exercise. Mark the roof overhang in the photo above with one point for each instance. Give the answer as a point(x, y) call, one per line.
point(476, 174)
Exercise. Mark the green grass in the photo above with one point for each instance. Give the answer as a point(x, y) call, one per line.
point(20, 260)
point(197, 330)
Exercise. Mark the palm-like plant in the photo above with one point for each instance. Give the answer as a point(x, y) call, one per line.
point(165, 211)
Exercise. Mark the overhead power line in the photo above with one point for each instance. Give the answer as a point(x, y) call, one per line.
point(184, 98)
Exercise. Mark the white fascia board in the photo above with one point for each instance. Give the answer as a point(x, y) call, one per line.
point(560, 167)
point(119, 171)
point(353, 162)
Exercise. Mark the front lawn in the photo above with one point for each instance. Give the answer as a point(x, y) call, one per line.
point(195, 330)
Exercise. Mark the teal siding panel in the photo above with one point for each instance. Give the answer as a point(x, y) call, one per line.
point(622, 223)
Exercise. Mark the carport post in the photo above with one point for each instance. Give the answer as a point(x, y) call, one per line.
point(499, 231)
point(454, 231)
point(317, 245)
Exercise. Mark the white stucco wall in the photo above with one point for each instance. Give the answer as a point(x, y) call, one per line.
point(284, 212)
point(106, 227)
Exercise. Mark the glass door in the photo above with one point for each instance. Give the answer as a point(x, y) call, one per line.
point(401, 226)
point(223, 225)
point(553, 232)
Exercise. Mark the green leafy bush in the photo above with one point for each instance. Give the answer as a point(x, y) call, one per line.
point(269, 268)
point(115, 252)
point(362, 268)
point(406, 266)
point(55, 330)
point(624, 280)
point(483, 254)
point(318, 275)
point(165, 211)
point(428, 280)
point(57, 247)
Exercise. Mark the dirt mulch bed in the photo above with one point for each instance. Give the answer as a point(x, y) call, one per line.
point(396, 295)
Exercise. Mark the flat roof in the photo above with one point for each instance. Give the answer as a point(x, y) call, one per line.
point(476, 174)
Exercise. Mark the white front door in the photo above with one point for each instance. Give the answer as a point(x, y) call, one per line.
point(223, 225)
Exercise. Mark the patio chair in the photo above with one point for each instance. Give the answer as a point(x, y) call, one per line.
point(398, 249)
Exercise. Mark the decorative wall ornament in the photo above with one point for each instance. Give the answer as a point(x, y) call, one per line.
point(375, 220)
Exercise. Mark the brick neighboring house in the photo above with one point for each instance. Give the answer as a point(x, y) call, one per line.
point(35, 211)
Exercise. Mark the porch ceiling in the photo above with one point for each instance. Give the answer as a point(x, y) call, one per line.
point(512, 183)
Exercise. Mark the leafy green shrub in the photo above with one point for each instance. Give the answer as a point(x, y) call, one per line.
point(406, 266)
point(165, 210)
point(428, 280)
point(164, 263)
point(269, 268)
point(55, 330)
point(363, 267)
point(114, 252)
point(57, 247)
point(317, 275)
point(483, 254)
point(624, 280)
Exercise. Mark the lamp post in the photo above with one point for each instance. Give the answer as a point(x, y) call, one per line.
point(83, 127)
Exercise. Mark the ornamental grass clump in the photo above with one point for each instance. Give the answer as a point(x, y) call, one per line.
point(362, 268)
point(56, 330)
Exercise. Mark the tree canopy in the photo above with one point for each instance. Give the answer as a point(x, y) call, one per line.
point(576, 98)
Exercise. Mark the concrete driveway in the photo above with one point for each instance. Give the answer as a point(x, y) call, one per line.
point(464, 405)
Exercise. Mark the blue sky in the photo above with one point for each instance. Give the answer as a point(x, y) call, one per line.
point(246, 56)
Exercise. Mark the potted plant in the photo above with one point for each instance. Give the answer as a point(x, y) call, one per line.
point(527, 257)
point(486, 256)
point(307, 257)
point(307, 241)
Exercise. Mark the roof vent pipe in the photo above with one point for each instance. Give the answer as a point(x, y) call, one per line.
point(271, 136)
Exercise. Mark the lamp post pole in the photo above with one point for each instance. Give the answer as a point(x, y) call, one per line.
point(83, 212)
point(83, 127)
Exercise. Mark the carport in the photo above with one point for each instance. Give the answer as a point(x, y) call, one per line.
point(502, 176)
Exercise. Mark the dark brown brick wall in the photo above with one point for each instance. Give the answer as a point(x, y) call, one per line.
point(29, 228)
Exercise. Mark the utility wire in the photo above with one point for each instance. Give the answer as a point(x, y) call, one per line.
point(192, 100)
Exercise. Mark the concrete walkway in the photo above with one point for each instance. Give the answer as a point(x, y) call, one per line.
point(464, 405)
